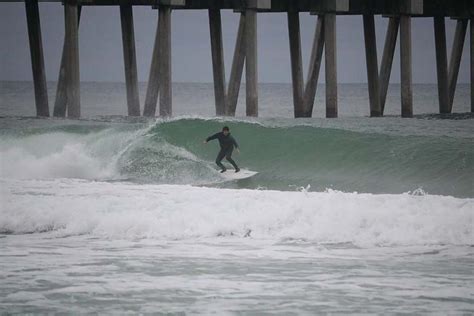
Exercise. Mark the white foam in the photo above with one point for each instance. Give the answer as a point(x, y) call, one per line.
point(124, 211)
point(62, 155)
point(218, 119)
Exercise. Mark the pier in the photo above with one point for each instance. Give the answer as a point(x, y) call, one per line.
point(159, 88)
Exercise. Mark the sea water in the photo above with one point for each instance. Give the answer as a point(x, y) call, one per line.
point(114, 215)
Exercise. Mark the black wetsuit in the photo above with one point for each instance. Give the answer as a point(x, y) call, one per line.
point(227, 144)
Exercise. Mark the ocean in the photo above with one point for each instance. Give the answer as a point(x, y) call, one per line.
point(112, 214)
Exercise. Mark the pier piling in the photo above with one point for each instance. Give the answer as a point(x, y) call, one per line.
point(153, 88)
point(387, 59)
point(251, 71)
point(37, 58)
point(314, 67)
point(237, 68)
point(217, 52)
point(296, 62)
point(60, 101)
point(165, 61)
point(130, 60)
point(330, 64)
point(72, 59)
point(441, 64)
point(455, 62)
point(406, 66)
point(472, 64)
point(372, 65)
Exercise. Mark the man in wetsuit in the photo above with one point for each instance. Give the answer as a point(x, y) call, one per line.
point(227, 143)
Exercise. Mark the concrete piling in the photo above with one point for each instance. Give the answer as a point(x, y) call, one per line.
point(37, 58)
point(441, 64)
point(130, 60)
point(387, 59)
point(472, 64)
point(165, 61)
point(296, 62)
point(372, 65)
point(153, 88)
point(455, 62)
point(330, 64)
point(406, 66)
point(251, 71)
point(237, 68)
point(72, 59)
point(314, 67)
point(60, 101)
point(217, 52)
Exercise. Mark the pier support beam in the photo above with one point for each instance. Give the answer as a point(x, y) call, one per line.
point(72, 59)
point(37, 58)
point(314, 67)
point(130, 60)
point(296, 62)
point(237, 69)
point(330, 64)
point(406, 66)
point(165, 61)
point(153, 88)
point(455, 62)
point(387, 59)
point(441, 64)
point(472, 65)
point(60, 102)
point(218, 68)
point(251, 72)
point(372, 65)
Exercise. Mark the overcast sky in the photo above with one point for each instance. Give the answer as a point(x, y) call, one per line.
point(101, 56)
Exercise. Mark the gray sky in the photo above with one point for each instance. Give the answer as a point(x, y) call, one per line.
point(101, 45)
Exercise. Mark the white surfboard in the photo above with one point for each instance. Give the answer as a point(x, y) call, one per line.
point(230, 174)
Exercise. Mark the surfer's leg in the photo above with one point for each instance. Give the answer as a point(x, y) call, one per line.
point(228, 157)
point(219, 158)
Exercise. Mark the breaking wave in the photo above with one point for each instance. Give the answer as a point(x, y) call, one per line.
point(286, 156)
point(175, 212)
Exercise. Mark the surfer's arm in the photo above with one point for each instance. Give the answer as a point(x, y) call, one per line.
point(235, 143)
point(211, 137)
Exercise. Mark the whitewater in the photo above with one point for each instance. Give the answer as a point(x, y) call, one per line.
point(118, 215)
point(81, 246)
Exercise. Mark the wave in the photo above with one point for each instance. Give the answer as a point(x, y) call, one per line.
point(174, 212)
point(285, 155)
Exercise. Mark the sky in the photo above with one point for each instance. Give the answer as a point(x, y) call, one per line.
point(101, 55)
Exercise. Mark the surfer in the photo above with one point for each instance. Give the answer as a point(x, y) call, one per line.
point(227, 143)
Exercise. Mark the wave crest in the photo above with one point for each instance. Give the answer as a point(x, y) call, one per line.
point(286, 156)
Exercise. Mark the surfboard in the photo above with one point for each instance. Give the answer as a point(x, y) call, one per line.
point(230, 174)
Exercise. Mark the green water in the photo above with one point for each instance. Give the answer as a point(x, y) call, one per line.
point(363, 155)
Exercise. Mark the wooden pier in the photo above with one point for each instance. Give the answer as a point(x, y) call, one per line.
point(399, 12)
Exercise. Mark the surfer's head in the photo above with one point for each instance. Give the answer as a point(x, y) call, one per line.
point(225, 130)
